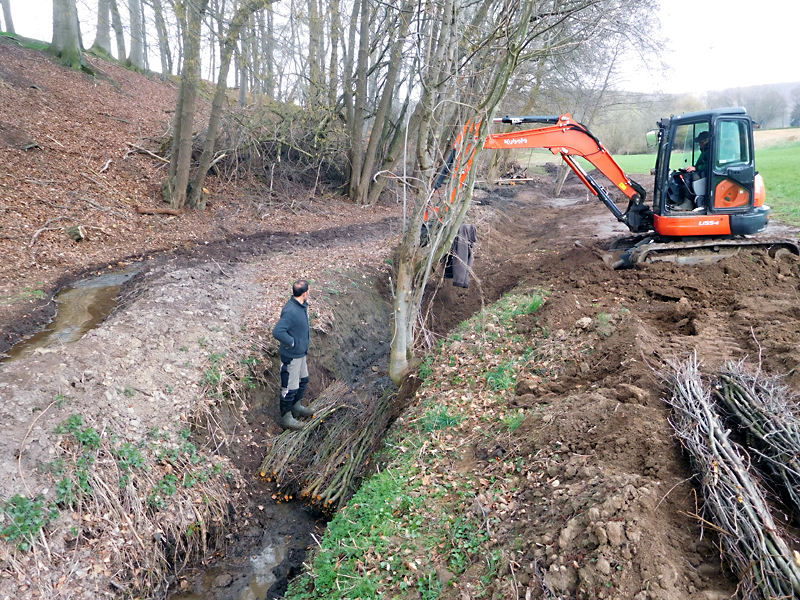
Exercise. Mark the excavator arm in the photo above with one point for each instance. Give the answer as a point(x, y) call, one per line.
point(570, 139)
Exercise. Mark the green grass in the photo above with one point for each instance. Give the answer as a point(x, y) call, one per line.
point(778, 166)
point(633, 163)
point(636, 163)
point(27, 294)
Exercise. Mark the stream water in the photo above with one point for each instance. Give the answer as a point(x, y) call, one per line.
point(80, 307)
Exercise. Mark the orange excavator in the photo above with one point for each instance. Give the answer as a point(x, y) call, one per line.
point(708, 198)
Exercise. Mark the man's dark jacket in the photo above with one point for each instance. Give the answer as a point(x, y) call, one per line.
point(292, 330)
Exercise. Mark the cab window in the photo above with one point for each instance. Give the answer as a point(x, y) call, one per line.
point(685, 150)
point(733, 143)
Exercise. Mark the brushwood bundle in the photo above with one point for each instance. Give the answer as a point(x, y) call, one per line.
point(323, 462)
point(760, 407)
point(733, 499)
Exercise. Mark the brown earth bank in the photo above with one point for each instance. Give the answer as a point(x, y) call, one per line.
point(607, 505)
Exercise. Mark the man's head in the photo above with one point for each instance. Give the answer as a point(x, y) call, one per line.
point(702, 138)
point(299, 289)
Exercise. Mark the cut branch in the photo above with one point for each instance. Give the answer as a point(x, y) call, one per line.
point(158, 211)
point(141, 150)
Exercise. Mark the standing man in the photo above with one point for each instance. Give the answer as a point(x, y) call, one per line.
point(294, 334)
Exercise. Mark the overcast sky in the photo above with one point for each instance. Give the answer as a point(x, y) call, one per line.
point(714, 44)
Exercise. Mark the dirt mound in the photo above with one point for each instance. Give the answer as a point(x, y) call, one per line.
point(605, 501)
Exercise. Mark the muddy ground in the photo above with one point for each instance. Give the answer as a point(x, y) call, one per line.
point(212, 283)
point(609, 504)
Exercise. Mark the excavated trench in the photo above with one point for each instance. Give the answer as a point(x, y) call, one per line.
point(129, 358)
point(179, 309)
point(270, 548)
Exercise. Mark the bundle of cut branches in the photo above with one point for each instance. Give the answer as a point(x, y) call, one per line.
point(734, 502)
point(323, 461)
point(759, 406)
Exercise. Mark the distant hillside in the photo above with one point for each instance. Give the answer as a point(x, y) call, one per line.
point(770, 105)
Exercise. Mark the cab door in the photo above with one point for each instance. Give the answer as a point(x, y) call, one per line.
point(732, 166)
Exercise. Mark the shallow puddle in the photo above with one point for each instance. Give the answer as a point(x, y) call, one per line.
point(80, 308)
point(261, 577)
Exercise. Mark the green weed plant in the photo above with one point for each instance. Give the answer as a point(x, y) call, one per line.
point(25, 518)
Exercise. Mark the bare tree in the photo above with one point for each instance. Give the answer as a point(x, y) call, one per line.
point(7, 16)
point(765, 104)
point(119, 32)
point(240, 20)
point(66, 44)
point(163, 39)
point(363, 159)
point(136, 55)
point(470, 53)
point(794, 116)
point(177, 188)
point(267, 29)
point(190, 15)
point(102, 41)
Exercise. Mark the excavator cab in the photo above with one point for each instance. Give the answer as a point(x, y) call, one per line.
point(705, 168)
point(688, 167)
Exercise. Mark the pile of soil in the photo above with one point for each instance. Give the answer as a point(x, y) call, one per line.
point(607, 500)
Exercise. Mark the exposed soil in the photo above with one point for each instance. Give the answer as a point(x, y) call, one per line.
point(606, 503)
point(607, 512)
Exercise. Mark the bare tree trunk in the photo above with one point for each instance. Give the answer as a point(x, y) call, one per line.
point(136, 56)
point(175, 188)
point(7, 16)
point(66, 43)
point(163, 40)
point(244, 77)
point(315, 56)
point(348, 82)
point(357, 125)
point(116, 23)
point(360, 192)
point(102, 40)
point(336, 36)
point(394, 156)
point(238, 23)
point(145, 53)
point(268, 43)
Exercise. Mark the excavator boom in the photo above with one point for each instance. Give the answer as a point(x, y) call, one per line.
point(569, 139)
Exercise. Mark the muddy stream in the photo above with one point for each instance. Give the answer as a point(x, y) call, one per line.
point(81, 307)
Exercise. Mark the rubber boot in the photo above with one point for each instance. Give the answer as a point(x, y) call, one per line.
point(289, 422)
point(287, 419)
point(298, 410)
point(685, 205)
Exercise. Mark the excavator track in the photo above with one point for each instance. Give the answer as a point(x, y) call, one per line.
point(695, 252)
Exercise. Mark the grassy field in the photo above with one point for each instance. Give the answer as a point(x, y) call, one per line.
point(779, 166)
